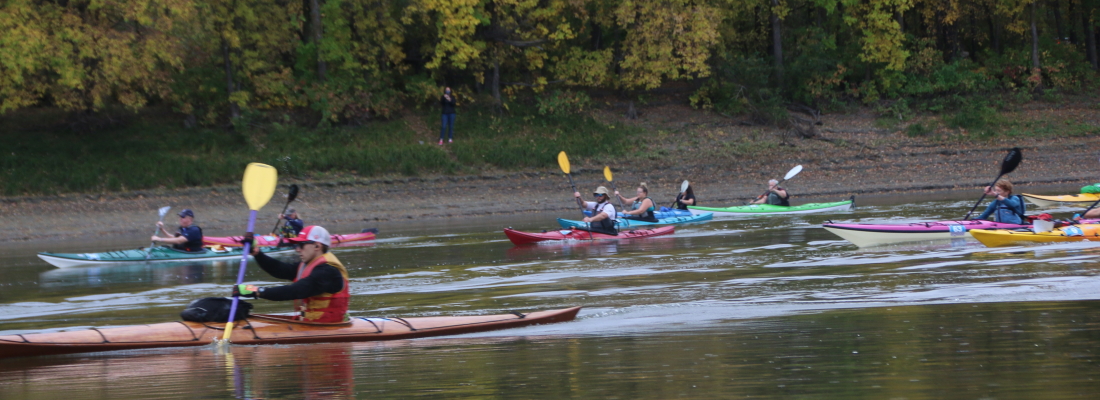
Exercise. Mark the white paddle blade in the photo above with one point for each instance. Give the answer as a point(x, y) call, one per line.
point(794, 171)
point(164, 211)
point(684, 187)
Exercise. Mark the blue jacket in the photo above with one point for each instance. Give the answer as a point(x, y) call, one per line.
point(1009, 211)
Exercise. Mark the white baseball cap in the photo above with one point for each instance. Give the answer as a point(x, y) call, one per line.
point(313, 233)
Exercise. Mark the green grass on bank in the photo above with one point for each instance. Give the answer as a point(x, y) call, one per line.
point(153, 151)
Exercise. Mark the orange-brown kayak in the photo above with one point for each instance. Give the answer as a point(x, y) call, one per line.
point(266, 329)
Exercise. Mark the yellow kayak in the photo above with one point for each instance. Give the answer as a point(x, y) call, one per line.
point(1076, 233)
point(1051, 201)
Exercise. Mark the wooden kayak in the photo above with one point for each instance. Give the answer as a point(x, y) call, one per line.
point(1076, 233)
point(269, 240)
point(1085, 199)
point(266, 329)
point(519, 237)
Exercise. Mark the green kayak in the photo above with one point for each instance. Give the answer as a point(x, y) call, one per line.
point(153, 255)
point(768, 209)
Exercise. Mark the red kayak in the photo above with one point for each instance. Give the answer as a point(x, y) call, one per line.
point(519, 237)
point(266, 329)
point(269, 240)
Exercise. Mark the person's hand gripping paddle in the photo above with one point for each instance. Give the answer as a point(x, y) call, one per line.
point(292, 194)
point(683, 189)
point(1011, 161)
point(790, 174)
point(162, 211)
point(563, 162)
point(257, 186)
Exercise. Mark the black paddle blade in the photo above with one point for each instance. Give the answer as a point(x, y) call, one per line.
point(293, 193)
point(1012, 160)
point(371, 230)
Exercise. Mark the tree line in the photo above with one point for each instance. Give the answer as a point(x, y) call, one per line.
point(349, 61)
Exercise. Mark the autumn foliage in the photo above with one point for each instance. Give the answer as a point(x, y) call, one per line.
point(349, 61)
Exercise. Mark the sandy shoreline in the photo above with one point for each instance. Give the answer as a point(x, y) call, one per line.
point(221, 209)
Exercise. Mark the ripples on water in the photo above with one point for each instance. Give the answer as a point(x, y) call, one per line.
point(774, 307)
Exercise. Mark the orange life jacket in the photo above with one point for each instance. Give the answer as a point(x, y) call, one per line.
point(326, 307)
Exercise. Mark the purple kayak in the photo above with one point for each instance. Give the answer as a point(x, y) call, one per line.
point(866, 235)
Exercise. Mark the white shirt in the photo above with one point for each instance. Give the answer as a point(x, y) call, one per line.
point(605, 208)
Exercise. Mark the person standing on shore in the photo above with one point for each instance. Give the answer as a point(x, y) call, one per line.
point(448, 128)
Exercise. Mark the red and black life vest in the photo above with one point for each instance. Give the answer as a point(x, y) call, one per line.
point(326, 307)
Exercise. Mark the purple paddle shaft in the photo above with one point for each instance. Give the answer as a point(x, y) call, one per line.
point(244, 263)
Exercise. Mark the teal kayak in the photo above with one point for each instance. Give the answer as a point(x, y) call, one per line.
point(768, 209)
point(622, 223)
point(152, 255)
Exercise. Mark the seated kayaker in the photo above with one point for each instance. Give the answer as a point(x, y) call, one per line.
point(189, 237)
point(642, 207)
point(293, 224)
point(1006, 208)
point(685, 199)
point(603, 216)
point(320, 280)
point(777, 196)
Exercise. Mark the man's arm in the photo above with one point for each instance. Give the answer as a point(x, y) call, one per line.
point(324, 279)
point(276, 268)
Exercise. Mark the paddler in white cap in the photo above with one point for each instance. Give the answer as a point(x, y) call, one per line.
point(320, 287)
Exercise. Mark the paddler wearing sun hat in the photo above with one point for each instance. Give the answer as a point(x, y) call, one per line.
point(603, 215)
point(320, 285)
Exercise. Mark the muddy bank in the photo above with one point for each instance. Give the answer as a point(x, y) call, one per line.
point(727, 162)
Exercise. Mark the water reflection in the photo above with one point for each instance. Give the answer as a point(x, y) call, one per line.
point(161, 274)
point(964, 351)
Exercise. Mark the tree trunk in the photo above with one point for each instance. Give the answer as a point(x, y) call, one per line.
point(1090, 41)
point(1072, 24)
point(994, 32)
point(315, 24)
point(597, 36)
point(1034, 39)
point(1056, 6)
point(777, 46)
point(898, 16)
point(1035, 66)
point(230, 87)
point(496, 85)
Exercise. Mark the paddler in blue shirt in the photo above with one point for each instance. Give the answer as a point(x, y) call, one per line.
point(189, 237)
point(293, 224)
point(1007, 208)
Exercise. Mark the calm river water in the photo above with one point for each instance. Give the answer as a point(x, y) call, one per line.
point(763, 308)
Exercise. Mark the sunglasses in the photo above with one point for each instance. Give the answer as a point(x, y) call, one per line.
point(300, 245)
point(596, 194)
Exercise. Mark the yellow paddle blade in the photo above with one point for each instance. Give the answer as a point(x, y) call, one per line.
point(563, 162)
point(228, 330)
point(259, 184)
point(607, 173)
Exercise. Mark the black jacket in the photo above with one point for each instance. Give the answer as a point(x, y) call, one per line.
point(324, 279)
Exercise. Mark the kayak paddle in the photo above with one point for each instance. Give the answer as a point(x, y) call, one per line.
point(257, 186)
point(790, 174)
point(683, 188)
point(607, 175)
point(290, 196)
point(162, 211)
point(1009, 164)
point(563, 162)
